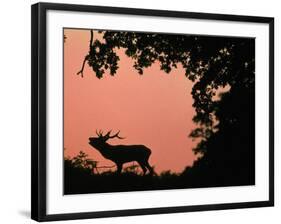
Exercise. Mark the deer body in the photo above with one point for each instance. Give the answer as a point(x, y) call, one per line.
point(120, 154)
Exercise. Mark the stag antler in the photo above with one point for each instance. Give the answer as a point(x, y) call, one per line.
point(107, 135)
point(99, 133)
point(116, 135)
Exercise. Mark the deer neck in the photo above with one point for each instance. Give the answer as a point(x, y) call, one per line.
point(105, 150)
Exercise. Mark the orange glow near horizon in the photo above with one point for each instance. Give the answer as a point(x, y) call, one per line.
point(153, 109)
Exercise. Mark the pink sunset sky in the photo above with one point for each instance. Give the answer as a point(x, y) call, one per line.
point(154, 109)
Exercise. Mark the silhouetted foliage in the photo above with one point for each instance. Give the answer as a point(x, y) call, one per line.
point(80, 180)
point(226, 123)
point(82, 161)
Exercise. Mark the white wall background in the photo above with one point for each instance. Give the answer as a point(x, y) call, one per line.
point(15, 110)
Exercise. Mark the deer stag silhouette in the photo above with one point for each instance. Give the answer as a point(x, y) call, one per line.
point(120, 154)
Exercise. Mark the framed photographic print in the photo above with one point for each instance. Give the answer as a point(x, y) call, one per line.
point(138, 111)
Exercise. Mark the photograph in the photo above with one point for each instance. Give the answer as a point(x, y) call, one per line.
point(149, 111)
point(136, 112)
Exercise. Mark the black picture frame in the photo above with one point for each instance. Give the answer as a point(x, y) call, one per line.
point(39, 114)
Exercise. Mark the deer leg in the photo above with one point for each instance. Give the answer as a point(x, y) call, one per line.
point(119, 168)
point(143, 167)
point(151, 171)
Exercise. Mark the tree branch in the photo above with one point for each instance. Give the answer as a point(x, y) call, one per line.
point(108, 167)
point(82, 68)
point(91, 39)
point(86, 58)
